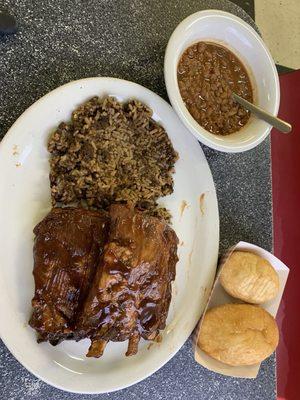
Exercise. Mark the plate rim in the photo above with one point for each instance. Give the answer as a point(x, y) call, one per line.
point(172, 353)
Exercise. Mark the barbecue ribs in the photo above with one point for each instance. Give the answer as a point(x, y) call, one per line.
point(68, 246)
point(131, 291)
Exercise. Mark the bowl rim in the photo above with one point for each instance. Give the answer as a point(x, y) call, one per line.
point(200, 133)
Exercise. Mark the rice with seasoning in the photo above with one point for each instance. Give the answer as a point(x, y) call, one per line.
point(111, 152)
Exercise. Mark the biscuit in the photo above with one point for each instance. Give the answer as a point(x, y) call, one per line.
point(249, 277)
point(238, 334)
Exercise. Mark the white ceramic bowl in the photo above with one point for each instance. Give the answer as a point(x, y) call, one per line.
point(239, 37)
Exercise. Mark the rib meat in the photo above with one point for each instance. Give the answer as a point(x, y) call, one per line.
point(131, 291)
point(68, 246)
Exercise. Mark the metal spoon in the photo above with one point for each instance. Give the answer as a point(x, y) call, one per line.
point(278, 123)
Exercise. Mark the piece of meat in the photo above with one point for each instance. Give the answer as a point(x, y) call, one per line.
point(131, 292)
point(68, 246)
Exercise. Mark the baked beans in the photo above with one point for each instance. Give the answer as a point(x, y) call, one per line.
point(207, 75)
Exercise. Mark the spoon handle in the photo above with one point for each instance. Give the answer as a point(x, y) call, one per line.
point(278, 123)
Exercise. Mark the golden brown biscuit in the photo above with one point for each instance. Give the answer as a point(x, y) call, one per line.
point(249, 277)
point(238, 334)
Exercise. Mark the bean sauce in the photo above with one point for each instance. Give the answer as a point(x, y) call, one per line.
point(207, 75)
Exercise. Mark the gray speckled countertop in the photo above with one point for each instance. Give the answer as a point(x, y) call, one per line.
point(59, 41)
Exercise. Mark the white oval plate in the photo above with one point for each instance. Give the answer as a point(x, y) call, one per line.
point(25, 200)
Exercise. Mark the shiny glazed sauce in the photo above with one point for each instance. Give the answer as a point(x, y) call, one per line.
point(207, 75)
